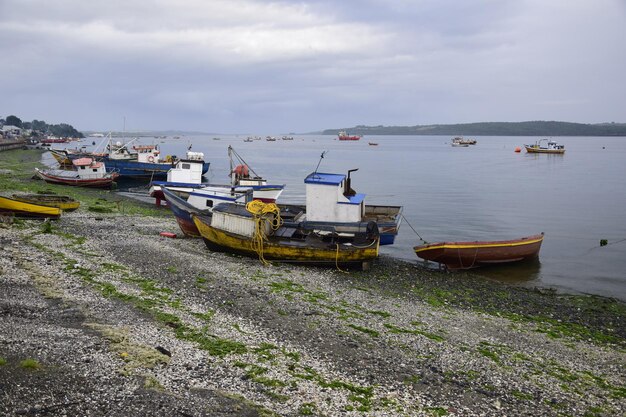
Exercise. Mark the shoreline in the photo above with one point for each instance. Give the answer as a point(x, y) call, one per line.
point(121, 321)
point(102, 316)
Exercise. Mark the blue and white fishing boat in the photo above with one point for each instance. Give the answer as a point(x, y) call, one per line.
point(186, 177)
point(144, 161)
point(331, 201)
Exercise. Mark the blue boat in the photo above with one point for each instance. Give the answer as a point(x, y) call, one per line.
point(146, 162)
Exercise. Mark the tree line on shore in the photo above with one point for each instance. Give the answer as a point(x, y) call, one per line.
point(40, 128)
point(531, 128)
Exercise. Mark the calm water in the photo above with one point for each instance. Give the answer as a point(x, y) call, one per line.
point(483, 192)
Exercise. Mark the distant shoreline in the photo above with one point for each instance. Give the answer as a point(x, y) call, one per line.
point(532, 128)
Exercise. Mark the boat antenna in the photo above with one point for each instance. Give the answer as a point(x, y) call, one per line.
point(320, 161)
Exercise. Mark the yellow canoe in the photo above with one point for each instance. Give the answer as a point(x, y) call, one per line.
point(23, 209)
point(283, 249)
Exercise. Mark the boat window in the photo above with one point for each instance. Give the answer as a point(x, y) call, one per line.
point(95, 170)
point(209, 203)
point(186, 166)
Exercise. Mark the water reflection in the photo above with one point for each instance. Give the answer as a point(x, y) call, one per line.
point(524, 272)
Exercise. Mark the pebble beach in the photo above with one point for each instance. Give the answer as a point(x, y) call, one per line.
point(102, 316)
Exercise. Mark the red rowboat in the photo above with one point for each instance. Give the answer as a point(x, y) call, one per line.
point(465, 255)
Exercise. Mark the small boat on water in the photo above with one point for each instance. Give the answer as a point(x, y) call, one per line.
point(24, 209)
point(549, 147)
point(63, 202)
point(460, 141)
point(253, 231)
point(466, 255)
point(88, 173)
point(345, 136)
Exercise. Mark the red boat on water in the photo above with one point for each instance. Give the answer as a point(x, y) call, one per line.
point(466, 255)
point(344, 136)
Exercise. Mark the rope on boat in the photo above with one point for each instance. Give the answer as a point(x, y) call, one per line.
point(337, 260)
point(262, 212)
point(412, 228)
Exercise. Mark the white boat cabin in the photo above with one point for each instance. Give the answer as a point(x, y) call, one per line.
point(188, 170)
point(329, 198)
point(148, 154)
point(87, 168)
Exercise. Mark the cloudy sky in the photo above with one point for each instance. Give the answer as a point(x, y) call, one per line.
point(258, 66)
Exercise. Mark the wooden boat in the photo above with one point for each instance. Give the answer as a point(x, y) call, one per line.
point(63, 202)
point(183, 209)
point(466, 255)
point(233, 228)
point(550, 147)
point(88, 173)
point(23, 209)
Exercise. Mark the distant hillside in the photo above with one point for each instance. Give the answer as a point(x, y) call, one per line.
point(535, 128)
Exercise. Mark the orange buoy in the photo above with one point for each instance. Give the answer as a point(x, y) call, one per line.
point(518, 149)
point(168, 234)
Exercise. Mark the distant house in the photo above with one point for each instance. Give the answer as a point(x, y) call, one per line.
point(9, 130)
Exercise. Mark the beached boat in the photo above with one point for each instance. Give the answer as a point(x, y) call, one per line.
point(138, 161)
point(258, 232)
point(182, 212)
point(88, 173)
point(549, 147)
point(11, 206)
point(466, 255)
point(345, 136)
point(187, 177)
point(63, 202)
point(183, 177)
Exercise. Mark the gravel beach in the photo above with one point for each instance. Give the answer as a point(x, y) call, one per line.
point(101, 316)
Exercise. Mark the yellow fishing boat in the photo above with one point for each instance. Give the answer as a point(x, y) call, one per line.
point(63, 202)
point(232, 228)
point(23, 209)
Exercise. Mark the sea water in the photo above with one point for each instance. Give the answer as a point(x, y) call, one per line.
point(482, 192)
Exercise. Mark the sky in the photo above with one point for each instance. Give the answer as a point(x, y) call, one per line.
point(261, 67)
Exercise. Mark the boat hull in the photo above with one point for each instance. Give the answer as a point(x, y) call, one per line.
point(51, 200)
point(182, 211)
point(531, 149)
point(286, 250)
point(466, 255)
point(28, 210)
point(105, 182)
point(136, 169)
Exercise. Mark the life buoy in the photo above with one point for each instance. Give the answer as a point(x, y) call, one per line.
point(151, 158)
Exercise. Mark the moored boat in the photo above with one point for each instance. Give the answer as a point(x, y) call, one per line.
point(549, 147)
point(466, 255)
point(259, 232)
point(18, 208)
point(345, 136)
point(460, 141)
point(63, 202)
